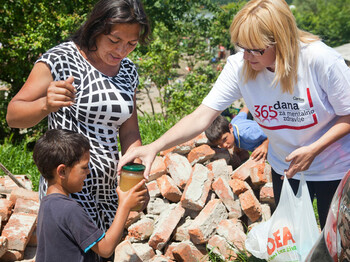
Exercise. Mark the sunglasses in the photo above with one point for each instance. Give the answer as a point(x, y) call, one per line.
point(254, 52)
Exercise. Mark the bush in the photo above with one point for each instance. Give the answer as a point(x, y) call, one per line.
point(183, 97)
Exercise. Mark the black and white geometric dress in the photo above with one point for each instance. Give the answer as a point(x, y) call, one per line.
point(102, 104)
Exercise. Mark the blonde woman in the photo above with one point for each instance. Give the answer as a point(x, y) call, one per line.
point(298, 90)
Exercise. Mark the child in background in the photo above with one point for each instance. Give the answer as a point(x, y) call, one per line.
point(241, 134)
point(64, 230)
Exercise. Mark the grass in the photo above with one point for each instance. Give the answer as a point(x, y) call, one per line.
point(241, 256)
point(152, 127)
point(18, 159)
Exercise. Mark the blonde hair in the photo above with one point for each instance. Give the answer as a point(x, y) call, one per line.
point(262, 23)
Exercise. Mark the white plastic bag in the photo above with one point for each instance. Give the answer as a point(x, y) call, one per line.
point(290, 232)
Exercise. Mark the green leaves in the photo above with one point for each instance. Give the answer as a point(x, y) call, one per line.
point(328, 19)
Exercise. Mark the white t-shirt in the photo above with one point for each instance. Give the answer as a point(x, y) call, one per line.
point(290, 121)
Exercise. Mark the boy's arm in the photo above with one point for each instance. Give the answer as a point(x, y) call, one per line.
point(242, 114)
point(261, 151)
point(127, 200)
point(244, 109)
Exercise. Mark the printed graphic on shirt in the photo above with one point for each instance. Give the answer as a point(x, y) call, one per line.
point(298, 114)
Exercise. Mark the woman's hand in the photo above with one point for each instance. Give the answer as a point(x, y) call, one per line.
point(137, 195)
point(145, 153)
point(300, 159)
point(303, 157)
point(39, 96)
point(60, 94)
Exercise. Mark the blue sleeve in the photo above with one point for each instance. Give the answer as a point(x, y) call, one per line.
point(251, 135)
point(92, 244)
point(254, 134)
point(238, 117)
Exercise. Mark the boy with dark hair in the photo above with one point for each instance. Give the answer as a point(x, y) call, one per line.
point(241, 134)
point(65, 232)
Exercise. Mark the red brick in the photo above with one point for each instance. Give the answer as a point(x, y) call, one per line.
point(168, 188)
point(219, 246)
point(238, 186)
point(24, 194)
point(126, 252)
point(141, 230)
point(196, 191)
point(200, 154)
point(201, 139)
point(187, 252)
point(19, 229)
point(250, 205)
point(219, 168)
point(237, 210)
point(257, 175)
point(153, 189)
point(178, 168)
point(224, 192)
point(26, 206)
point(5, 209)
point(184, 253)
point(132, 218)
point(168, 250)
point(203, 226)
point(8, 183)
point(181, 149)
point(266, 195)
point(157, 205)
point(143, 251)
point(232, 231)
point(160, 258)
point(158, 168)
point(243, 171)
point(266, 212)
point(167, 151)
point(165, 226)
point(181, 232)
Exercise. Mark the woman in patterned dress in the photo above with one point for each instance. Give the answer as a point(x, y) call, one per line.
point(88, 85)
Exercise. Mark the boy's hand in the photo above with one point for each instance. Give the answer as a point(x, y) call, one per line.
point(261, 151)
point(138, 195)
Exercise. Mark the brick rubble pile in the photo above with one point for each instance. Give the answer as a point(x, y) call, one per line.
point(18, 214)
point(202, 199)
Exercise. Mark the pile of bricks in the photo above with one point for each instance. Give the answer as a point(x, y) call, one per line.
point(200, 202)
point(18, 215)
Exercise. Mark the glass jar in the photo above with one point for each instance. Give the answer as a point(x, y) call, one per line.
point(130, 176)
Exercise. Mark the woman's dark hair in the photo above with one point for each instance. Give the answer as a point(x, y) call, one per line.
point(58, 147)
point(107, 13)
